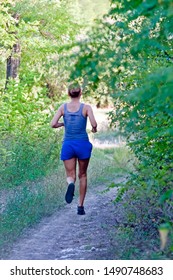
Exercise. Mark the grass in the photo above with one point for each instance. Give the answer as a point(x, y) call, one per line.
point(26, 204)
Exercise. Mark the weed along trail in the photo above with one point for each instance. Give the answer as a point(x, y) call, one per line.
point(66, 235)
point(59, 233)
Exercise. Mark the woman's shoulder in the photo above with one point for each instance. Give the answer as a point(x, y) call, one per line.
point(87, 106)
point(62, 107)
point(86, 109)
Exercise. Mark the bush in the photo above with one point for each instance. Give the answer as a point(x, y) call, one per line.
point(29, 146)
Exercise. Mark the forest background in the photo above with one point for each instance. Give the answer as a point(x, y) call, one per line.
point(124, 62)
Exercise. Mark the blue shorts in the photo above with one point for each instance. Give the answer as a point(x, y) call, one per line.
point(80, 149)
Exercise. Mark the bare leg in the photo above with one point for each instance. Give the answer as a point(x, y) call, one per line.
point(70, 168)
point(83, 165)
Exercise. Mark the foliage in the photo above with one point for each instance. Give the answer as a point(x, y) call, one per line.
point(126, 59)
point(28, 144)
point(131, 52)
point(87, 11)
point(29, 147)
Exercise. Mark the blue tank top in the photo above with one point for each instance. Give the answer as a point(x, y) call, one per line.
point(75, 124)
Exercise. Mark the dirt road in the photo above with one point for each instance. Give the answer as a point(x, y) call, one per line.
point(66, 235)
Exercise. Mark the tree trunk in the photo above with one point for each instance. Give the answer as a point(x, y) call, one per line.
point(13, 61)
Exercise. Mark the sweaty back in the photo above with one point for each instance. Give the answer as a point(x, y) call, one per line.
point(75, 124)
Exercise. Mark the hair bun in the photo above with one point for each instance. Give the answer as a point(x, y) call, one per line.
point(74, 92)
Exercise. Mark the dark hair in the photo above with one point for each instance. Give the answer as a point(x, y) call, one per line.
point(74, 90)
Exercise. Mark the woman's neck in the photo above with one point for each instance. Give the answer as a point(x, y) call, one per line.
point(75, 100)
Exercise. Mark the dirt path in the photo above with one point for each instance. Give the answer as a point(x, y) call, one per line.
point(66, 235)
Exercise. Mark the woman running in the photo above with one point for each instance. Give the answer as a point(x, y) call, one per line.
point(76, 146)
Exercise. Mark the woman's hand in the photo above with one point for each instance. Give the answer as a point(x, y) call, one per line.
point(94, 129)
point(57, 125)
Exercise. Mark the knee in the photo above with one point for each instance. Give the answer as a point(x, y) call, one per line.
point(82, 176)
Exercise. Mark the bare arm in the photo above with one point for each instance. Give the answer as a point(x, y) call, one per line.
point(93, 122)
point(55, 121)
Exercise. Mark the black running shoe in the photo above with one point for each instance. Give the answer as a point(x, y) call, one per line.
point(80, 210)
point(70, 193)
